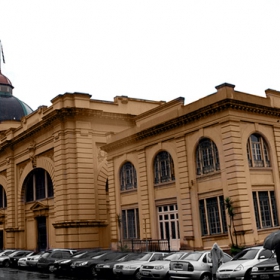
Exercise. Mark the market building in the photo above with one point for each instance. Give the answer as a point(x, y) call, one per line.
point(171, 172)
point(53, 173)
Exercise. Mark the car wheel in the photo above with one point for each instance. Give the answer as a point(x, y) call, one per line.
point(6, 264)
point(137, 275)
point(93, 271)
point(51, 268)
point(205, 276)
point(247, 275)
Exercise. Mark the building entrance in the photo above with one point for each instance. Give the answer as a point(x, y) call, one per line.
point(42, 233)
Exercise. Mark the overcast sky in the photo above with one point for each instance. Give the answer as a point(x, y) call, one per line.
point(156, 50)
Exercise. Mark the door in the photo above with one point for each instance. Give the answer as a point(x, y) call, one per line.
point(1, 239)
point(169, 225)
point(42, 233)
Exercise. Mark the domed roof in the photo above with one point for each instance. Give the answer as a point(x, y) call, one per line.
point(11, 108)
point(4, 80)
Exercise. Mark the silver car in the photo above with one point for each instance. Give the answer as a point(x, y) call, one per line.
point(160, 269)
point(241, 265)
point(131, 269)
point(197, 265)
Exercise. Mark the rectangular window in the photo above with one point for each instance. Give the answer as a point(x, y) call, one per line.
point(130, 224)
point(212, 215)
point(265, 209)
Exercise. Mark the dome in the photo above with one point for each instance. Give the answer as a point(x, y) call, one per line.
point(11, 108)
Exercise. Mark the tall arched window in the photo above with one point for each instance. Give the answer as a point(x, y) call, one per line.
point(207, 157)
point(257, 152)
point(128, 179)
point(38, 185)
point(3, 197)
point(163, 168)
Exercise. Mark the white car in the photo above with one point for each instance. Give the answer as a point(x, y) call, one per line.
point(160, 269)
point(131, 269)
point(22, 262)
point(241, 265)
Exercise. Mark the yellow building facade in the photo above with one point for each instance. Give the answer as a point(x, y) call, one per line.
point(53, 174)
point(170, 173)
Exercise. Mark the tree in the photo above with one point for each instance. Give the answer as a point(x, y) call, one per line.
point(231, 213)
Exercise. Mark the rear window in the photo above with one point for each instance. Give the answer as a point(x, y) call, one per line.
point(192, 257)
point(246, 255)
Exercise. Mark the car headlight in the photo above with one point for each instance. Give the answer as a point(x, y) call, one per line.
point(276, 267)
point(128, 267)
point(159, 267)
point(255, 269)
point(240, 267)
point(106, 266)
point(83, 263)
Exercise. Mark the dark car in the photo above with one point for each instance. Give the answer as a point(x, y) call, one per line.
point(268, 269)
point(13, 258)
point(47, 259)
point(5, 260)
point(63, 266)
point(86, 267)
point(105, 270)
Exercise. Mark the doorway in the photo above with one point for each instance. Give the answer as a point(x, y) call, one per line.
point(42, 233)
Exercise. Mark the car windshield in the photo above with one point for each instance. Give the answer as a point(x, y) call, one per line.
point(193, 256)
point(173, 257)
point(46, 254)
point(246, 255)
point(146, 257)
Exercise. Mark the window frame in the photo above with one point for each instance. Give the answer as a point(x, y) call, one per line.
point(206, 157)
point(128, 177)
point(212, 216)
point(265, 209)
point(164, 171)
point(257, 152)
point(3, 198)
point(130, 228)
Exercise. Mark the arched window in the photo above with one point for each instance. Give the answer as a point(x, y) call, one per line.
point(3, 197)
point(257, 152)
point(163, 168)
point(38, 185)
point(128, 179)
point(207, 157)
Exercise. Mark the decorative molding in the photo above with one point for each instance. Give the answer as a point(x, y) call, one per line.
point(80, 223)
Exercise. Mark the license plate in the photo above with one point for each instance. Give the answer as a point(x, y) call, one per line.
point(264, 276)
point(145, 272)
point(223, 276)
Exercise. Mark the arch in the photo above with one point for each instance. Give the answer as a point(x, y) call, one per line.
point(41, 162)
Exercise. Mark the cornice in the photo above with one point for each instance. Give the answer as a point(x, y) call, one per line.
point(62, 114)
point(223, 105)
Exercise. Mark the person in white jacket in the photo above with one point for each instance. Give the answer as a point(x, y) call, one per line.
point(216, 255)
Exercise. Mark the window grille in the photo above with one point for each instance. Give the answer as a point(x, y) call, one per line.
point(257, 152)
point(128, 178)
point(207, 157)
point(163, 168)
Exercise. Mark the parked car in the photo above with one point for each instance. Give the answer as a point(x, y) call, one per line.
point(241, 265)
point(47, 259)
point(32, 260)
point(5, 259)
point(160, 269)
point(105, 270)
point(131, 269)
point(196, 265)
point(63, 266)
point(268, 269)
point(22, 262)
point(6, 252)
point(14, 258)
point(86, 267)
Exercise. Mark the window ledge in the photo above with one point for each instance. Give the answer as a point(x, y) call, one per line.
point(164, 184)
point(212, 174)
point(128, 191)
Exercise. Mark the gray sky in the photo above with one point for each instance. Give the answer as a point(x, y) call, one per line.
point(157, 50)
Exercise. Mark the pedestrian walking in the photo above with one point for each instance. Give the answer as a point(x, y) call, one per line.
point(217, 255)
